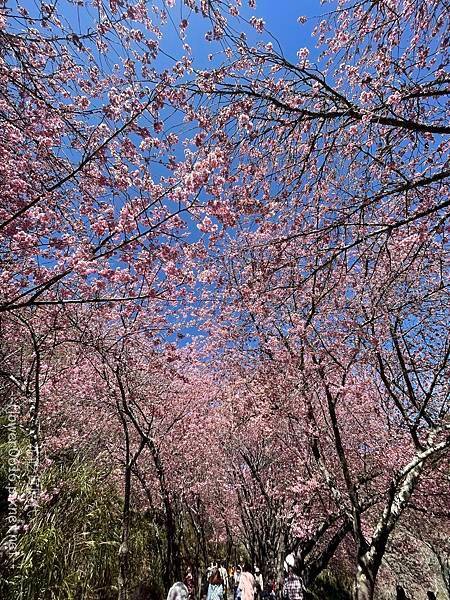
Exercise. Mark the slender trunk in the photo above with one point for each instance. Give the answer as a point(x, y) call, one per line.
point(364, 582)
point(130, 463)
point(401, 490)
point(172, 567)
point(280, 559)
point(313, 567)
point(199, 584)
point(122, 580)
point(172, 571)
point(123, 549)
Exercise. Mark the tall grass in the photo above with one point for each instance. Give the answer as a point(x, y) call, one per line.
point(70, 548)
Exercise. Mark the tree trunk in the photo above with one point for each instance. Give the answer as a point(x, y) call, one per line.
point(401, 489)
point(313, 566)
point(173, 566)
point(364, 581)
point(282, 549)
point(34, 436)
point(199, 584)
point(172, 569)
point(123, 549)
point(130, 462)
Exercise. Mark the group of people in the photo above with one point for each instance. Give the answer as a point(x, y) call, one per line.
point(246, 583)
point(241, 582)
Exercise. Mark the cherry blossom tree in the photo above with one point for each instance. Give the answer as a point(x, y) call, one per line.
point(90, 211)
point(338, 192)
point(290, 213)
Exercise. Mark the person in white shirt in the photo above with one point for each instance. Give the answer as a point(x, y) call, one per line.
point(210, 569)
point(258, 582)
point(237, 577)
point(224, 574)
point(247, 584)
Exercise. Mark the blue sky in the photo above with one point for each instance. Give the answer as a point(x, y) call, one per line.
point(280, 17)
point(281, 20)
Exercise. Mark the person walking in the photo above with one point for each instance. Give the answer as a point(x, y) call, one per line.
point(258, 583)
point(247, 583)
point(215, 586)
point(224, 575)
point(178, 592)
point(189, 583)
point(230, 574)
point(210, 569)
point(400, 593)
point(270, 589)
point(237, 577)
point(292, 588)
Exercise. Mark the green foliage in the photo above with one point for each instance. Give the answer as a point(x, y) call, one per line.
point(330, 586)
point(70, 548)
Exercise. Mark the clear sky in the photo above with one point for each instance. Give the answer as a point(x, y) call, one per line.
point(281, 20)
